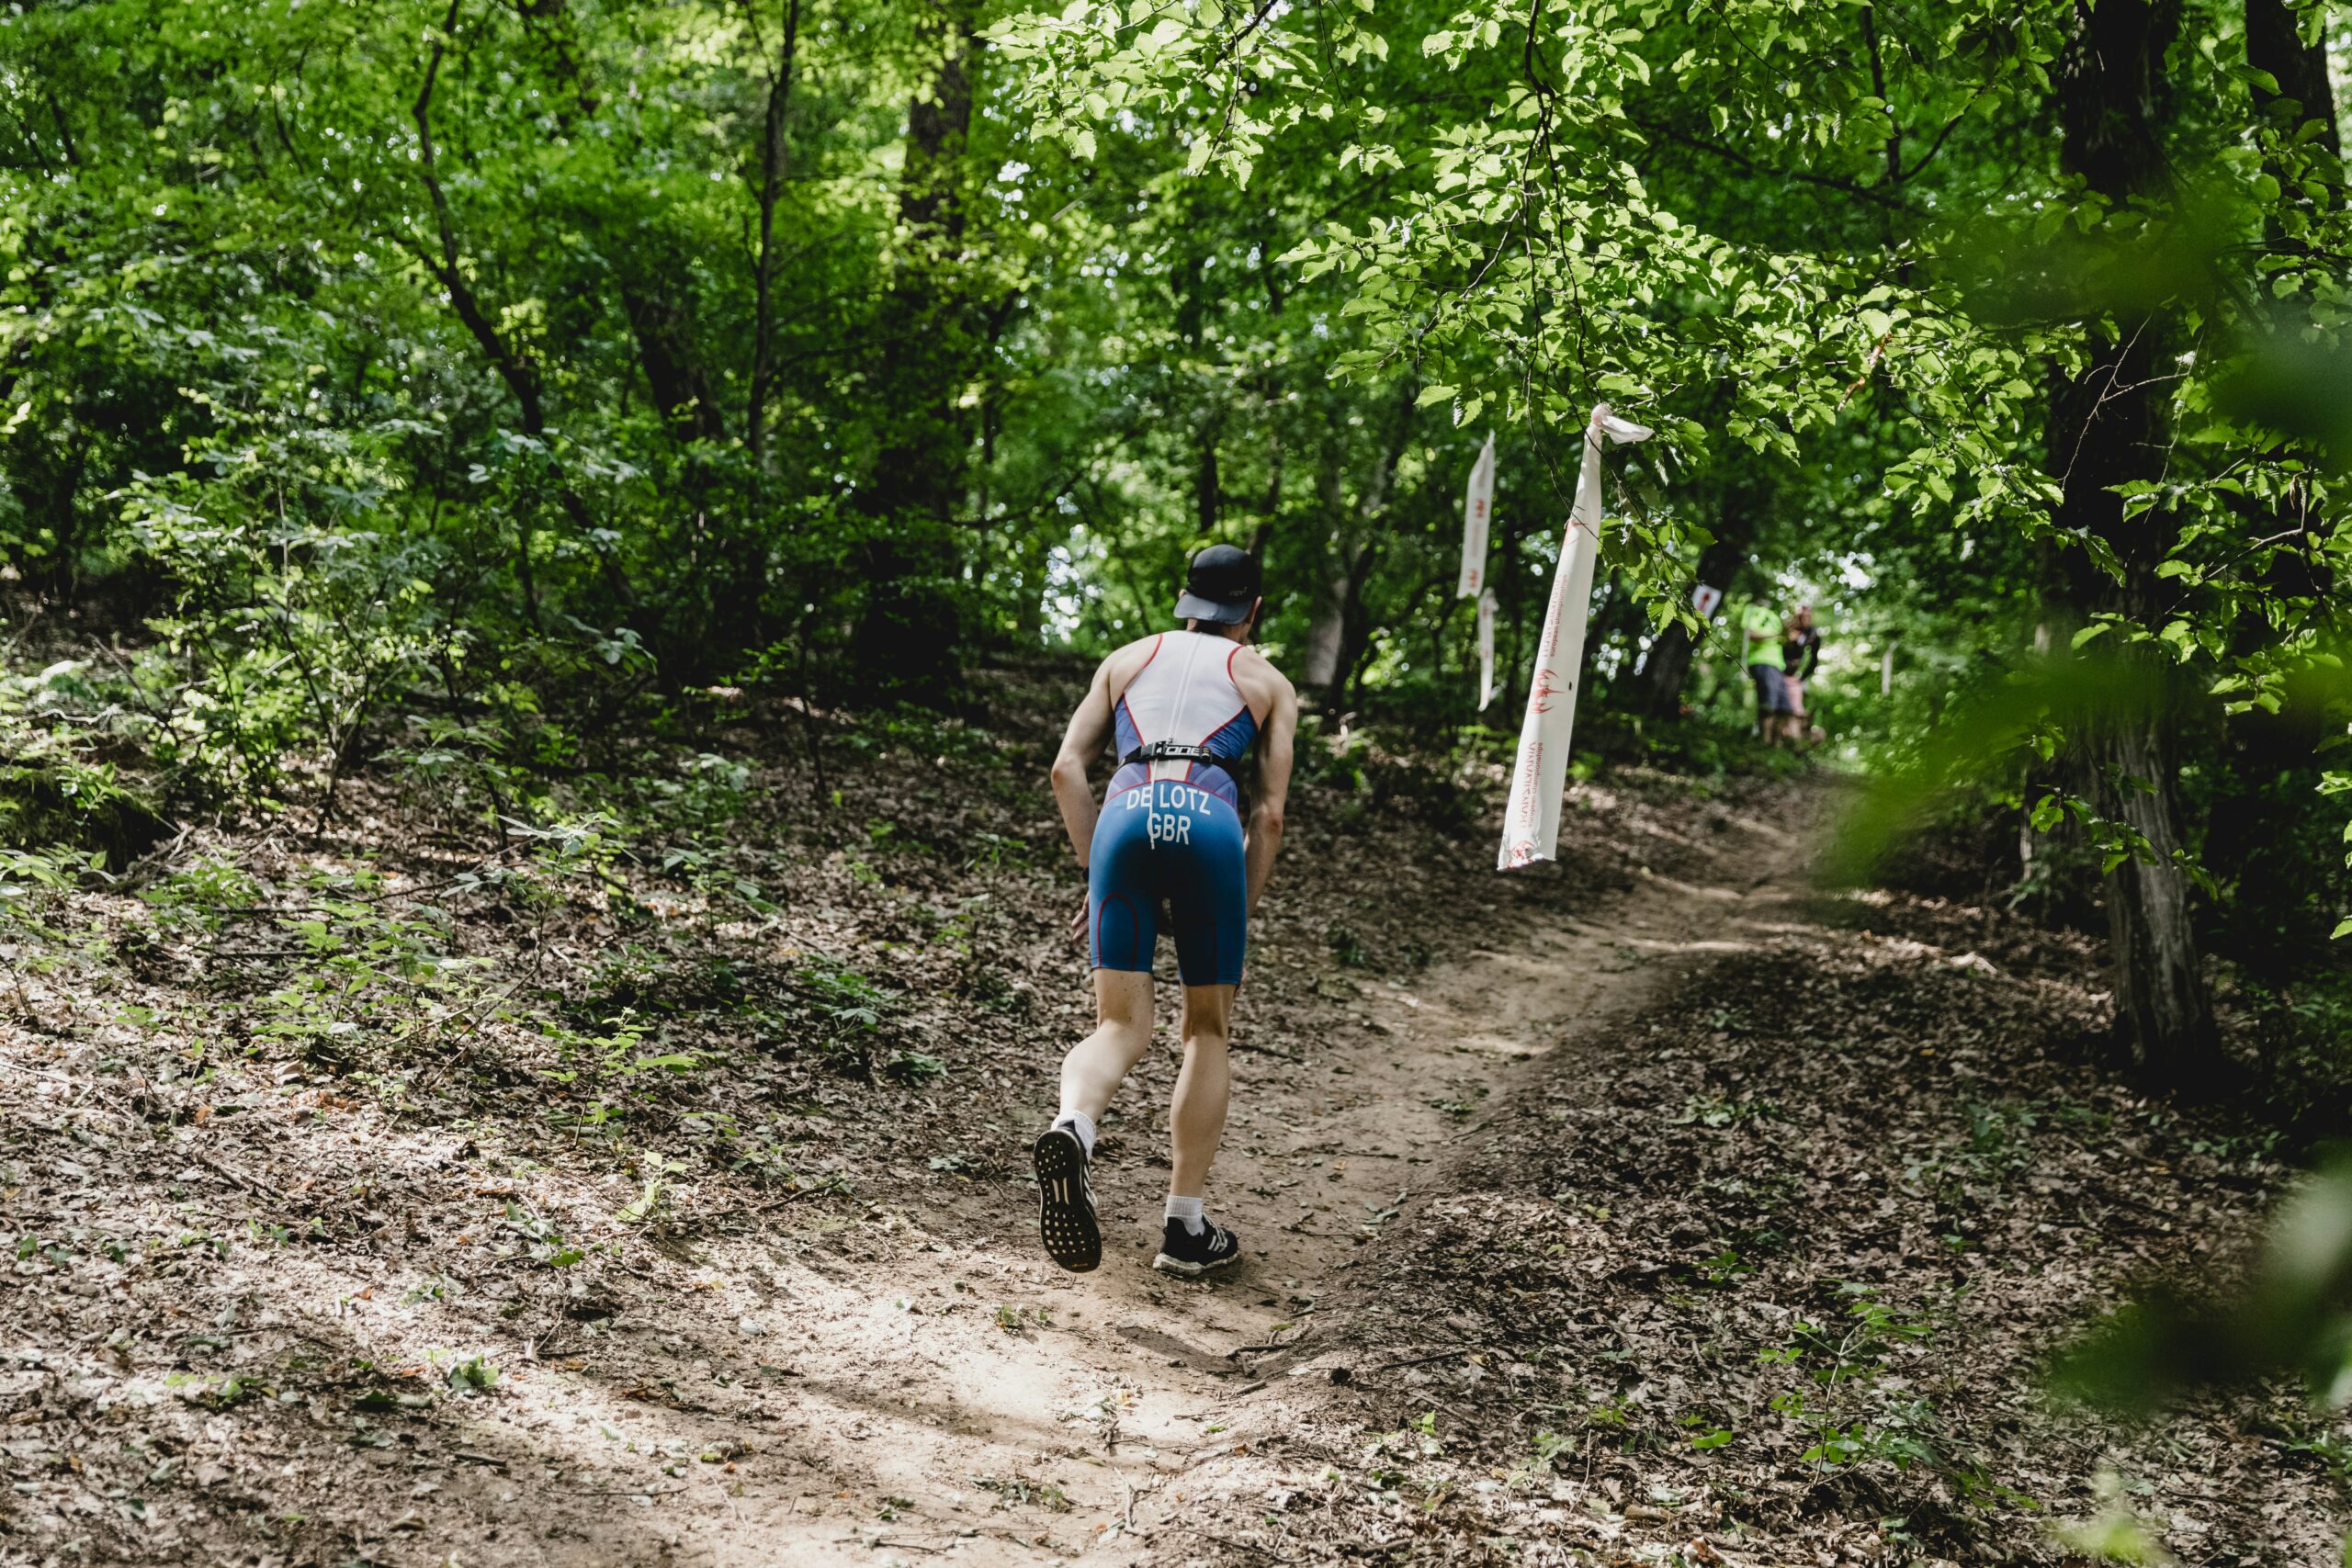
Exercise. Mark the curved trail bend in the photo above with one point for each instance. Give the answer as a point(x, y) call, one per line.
point(1574, 1170)
point(1006, 1412)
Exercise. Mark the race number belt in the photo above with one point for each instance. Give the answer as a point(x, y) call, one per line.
point(1184, 751)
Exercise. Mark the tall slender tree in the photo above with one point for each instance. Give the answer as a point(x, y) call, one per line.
point(910, 630)
point(2108, 429)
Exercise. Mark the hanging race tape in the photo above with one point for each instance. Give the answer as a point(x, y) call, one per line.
point(1486, 607)
point(1532, 821)
point(1478, 512)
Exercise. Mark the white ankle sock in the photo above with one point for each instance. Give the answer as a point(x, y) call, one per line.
point(1078, 1121)
point(1189, 1211)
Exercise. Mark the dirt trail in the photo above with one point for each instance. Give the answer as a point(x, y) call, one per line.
point(392, 1275)
point(388, 1302)
point(956, 1374)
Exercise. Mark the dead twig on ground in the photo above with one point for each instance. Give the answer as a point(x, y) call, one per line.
point(225, 1174)
point(1424, 1360)
point(1292, 1343)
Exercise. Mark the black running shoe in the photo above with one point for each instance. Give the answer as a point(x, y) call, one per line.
point(1182, 1252)
point(1066, 1204)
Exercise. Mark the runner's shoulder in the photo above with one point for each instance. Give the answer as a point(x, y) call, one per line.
point(1120, 665)
point(1259, 671)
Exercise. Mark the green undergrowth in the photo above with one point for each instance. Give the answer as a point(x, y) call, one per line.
point(501, 920)
point(391, 926)
point(60, 790)
point(1454, 780)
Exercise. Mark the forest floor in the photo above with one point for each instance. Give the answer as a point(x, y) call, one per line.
point(654, 1189)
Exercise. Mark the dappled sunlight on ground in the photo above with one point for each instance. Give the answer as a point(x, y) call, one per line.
point(581, 1224)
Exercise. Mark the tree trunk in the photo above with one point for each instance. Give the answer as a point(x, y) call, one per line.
point(1270, 511)
point(774, 154)
point(1335, 571)
point(1667, 669)
point(1319, 665)
point(2108, 427)
point(2274, 44)
point(2159, 989)
point(1338, 635)
point(910, 632)
point(663, 328)
point(514, 367)
point(1205, 485)
point(46, 480)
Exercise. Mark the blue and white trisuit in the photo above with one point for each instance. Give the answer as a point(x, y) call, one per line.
point(1171, 831)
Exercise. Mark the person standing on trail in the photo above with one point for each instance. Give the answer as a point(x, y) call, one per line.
point(1185, 709)
point(1800, 657)
point(1759, 638)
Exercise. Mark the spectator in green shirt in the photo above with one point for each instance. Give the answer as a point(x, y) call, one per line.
point(1759, 638)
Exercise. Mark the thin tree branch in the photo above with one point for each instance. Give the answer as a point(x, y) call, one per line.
point(1749, 165)
point(1878, 89)
point(773, 155)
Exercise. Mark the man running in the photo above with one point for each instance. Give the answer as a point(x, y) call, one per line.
point(1184, 709)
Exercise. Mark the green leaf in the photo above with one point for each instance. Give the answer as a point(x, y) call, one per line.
point(1434, 395)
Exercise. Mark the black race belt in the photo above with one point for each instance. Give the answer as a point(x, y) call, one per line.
point(1182, 752)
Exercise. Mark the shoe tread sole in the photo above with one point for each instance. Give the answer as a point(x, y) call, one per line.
point(1066, 1222)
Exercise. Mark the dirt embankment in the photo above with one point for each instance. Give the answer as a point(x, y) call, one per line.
point(1771, 1271)
point(401, 1198)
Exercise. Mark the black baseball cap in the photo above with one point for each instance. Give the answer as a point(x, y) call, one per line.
point(1221, 587)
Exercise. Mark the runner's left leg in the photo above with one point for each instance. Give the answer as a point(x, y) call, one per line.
point(1196, 1120)
point(1067, 1223)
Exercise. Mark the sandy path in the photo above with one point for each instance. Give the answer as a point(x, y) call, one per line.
point(270, 1312)
point(955, 1396)
point(262, 1314)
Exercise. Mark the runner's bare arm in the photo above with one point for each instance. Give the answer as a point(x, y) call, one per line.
point(1089, 729)
point(1273, 789)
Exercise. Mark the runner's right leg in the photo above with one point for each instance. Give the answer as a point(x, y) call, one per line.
point(1190, 1244)
point(1196, 1120)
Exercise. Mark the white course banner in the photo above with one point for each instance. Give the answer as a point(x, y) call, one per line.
point(1486, 606)
point(1532, 821)
point(1478, 512)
